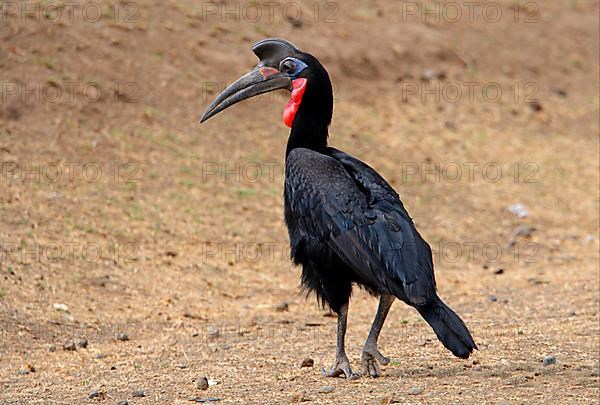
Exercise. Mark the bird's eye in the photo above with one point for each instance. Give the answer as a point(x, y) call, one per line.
point(288, 66)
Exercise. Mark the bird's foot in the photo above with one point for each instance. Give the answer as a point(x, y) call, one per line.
point(371, 361)
point(341, 367)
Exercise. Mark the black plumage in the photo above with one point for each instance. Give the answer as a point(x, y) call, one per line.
point(347, 226)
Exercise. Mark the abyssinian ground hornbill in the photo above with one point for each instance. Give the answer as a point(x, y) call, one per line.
point(346, 224)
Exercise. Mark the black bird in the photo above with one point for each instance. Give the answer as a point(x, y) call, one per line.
point(346, 224)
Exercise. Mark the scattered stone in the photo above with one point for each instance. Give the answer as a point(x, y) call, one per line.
point(60, 307)
point(122, 336)
point(535, 106)
point(493, 298)
point(326, 389)
point(82, 343)
point(213, 332)
point(430, 74)
point(69, 347)
point(307, 362)
point(202, 383)
point(559, 92)
point(415, 391)
point(112, 368)
point(99, 356)
point(282, 306)
point(549, 360)
point(521, 230)
point(51, 348)
point(450, 125)
point(499, 271)
point(475, 362)
point(519, 210)
point(571, 313)
point(296, 22)
point(123, 403)
point(204, 400)
point(95, 394)
point(23, 371)
point(138, 394)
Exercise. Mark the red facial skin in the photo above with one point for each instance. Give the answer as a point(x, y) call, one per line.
point(298, 88)
point(267, 71)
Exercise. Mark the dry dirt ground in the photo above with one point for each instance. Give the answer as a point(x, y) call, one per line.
point(121, 215)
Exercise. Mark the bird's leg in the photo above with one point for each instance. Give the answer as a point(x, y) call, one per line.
point(342, 364)
point(371, 357)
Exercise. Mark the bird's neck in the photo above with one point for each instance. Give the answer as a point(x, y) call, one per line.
point(310, 126)
point(309, 137)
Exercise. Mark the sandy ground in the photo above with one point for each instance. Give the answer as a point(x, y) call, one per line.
point(161, 243)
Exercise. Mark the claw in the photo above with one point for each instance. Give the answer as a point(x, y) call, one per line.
point(341, 367)
point(371, 361)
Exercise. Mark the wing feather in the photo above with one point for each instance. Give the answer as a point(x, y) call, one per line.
point(350, 207)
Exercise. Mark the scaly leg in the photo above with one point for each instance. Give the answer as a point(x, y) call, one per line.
point(342, 364)
point(371, 357)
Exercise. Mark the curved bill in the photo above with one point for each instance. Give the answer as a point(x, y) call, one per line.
point(257, 81)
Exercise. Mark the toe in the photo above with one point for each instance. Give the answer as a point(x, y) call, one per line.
point(374, 369)
point(382, 359)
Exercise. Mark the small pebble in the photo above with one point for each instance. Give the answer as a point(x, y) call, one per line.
point(535, 106)
point(571, 314)
point(94, 394)
point(69, 347)
point(282, 306)
point(82, 343)
point(519, 210)
point(23, 371)
point(559, 92)
point(213, 332)
point(493, 298)
point(202, 383)
point(204, 400)
point(549, 360)
point(415, 391)
point(499, 271)
point(122, 337)
point(123, 403)
point(307, 362)
point(138, 394)
point(51, 348)
point(326, 389)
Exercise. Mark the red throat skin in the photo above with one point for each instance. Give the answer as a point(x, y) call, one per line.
point(298, 87)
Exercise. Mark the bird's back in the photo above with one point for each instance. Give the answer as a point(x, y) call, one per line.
point(341, 202)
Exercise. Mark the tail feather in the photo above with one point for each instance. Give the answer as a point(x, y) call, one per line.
point(449, 328)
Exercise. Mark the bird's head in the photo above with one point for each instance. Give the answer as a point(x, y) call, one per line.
point(281, 66)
